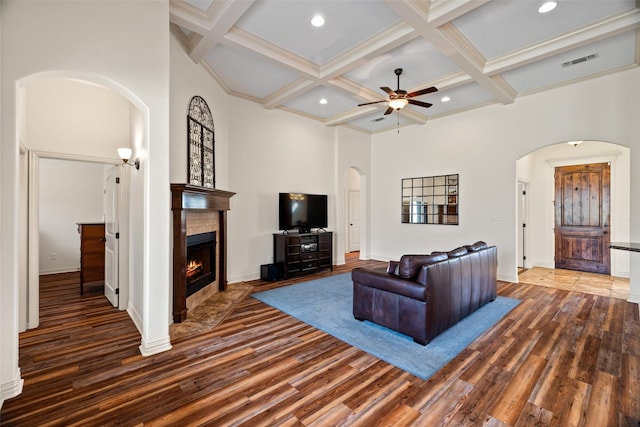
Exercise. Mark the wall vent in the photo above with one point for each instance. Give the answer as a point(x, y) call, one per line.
point(580, 60)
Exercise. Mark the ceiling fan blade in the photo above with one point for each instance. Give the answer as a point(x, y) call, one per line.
point(419, 103)
point(422, 92)
point(388, 90)
point(389, 111)
point(374, 102)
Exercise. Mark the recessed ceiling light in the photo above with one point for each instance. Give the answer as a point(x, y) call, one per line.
point(547, 6)
point(323, 101)
point(445, 99)
point(317, 21)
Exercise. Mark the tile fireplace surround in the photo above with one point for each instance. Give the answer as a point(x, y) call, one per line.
point(195, 210)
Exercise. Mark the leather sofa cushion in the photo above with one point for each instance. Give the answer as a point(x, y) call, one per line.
point(379, 279)
point(457, 252)
point(410, 264)
point(476, 246)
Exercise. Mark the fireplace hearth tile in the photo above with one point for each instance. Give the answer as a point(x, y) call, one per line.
point(208, 314)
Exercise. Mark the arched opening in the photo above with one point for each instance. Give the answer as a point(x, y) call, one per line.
point(65, 119)
point(355, 214)
point(535, 171)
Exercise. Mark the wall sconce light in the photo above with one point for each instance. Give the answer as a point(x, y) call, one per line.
point(125, 155)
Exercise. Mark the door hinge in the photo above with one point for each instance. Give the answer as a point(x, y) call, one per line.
point(117, 235)
point(117, 180)
point(524, 257)
point(117, 291)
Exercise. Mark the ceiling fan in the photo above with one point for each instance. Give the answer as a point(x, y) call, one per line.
point(399, 98)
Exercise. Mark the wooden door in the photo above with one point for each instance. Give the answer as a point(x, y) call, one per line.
point(582, 218)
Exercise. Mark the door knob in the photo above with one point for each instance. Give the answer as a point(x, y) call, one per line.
point(605, 232)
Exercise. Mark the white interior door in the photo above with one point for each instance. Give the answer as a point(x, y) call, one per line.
point(354, 220)
point(111, 192)
point(522, 224)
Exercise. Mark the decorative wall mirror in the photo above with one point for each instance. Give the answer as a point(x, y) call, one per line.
point(201, 143)
point(430, 200)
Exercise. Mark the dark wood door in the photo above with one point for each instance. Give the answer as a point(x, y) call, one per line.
point(582, 218)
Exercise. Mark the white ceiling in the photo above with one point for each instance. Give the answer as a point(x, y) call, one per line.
point(474, 51)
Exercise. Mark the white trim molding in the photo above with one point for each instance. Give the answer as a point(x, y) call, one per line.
point(12, 388)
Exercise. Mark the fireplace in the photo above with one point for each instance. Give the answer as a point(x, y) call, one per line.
point(189, 198)
point(201, 261)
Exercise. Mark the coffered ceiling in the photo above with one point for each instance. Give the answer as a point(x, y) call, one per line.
point(476, 52)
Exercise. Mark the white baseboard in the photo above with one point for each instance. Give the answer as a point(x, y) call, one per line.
point(155, 347)
point(540, 263)
point(135, 316)
point(12, 388)
point(508, 278)
point(243, 278)
point(59, 270)
point(634, 298)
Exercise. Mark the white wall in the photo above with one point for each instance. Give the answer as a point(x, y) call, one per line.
point(482, 146)
point(353, 156)
point(540, 177)
point(272, 151)
point(71, 116)
point(66, 200)
point(189, 79)
point(105, 42)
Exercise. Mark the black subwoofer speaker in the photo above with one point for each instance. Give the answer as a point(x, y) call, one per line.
point(271, 272)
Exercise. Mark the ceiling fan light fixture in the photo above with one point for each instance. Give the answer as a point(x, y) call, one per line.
point(445, 99)
point(323, 101)
point(317, 21)
point(547, 6)
point(398, 104)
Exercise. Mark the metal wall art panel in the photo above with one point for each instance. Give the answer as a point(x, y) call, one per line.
point(201, 144)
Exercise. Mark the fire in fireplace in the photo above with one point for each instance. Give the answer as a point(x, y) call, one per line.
point(201, 261)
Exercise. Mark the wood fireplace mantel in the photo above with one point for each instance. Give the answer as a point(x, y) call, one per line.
point(190, 197)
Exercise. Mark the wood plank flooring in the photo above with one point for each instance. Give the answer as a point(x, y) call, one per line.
point(560, 358)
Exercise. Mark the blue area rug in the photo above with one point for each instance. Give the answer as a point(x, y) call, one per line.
point(327, 304)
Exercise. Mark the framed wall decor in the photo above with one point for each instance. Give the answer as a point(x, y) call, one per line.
point(430, 200)
point(201, 144)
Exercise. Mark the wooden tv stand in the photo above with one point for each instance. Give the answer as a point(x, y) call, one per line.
point(303, 253)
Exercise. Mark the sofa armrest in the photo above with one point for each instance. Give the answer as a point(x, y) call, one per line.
point(380, 279)
point(392, 268)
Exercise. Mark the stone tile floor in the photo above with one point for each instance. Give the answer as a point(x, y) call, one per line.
point(211, 312)
point(589, 283)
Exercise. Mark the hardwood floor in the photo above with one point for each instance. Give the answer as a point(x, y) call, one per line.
point(560, 358)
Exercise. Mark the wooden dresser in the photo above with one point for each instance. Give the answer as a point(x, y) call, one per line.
point(92, 243)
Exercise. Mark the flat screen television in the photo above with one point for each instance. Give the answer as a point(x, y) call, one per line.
point(302, 211)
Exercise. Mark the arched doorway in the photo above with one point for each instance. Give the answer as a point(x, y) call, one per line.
point(81, 118)
point(537, 169)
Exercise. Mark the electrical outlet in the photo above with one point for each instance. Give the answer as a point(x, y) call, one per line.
point(53, 256)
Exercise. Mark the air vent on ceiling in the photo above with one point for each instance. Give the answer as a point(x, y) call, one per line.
point(580, 60)
point(378, 119)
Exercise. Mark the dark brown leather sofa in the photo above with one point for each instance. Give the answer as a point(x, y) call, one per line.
point(423, 295)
